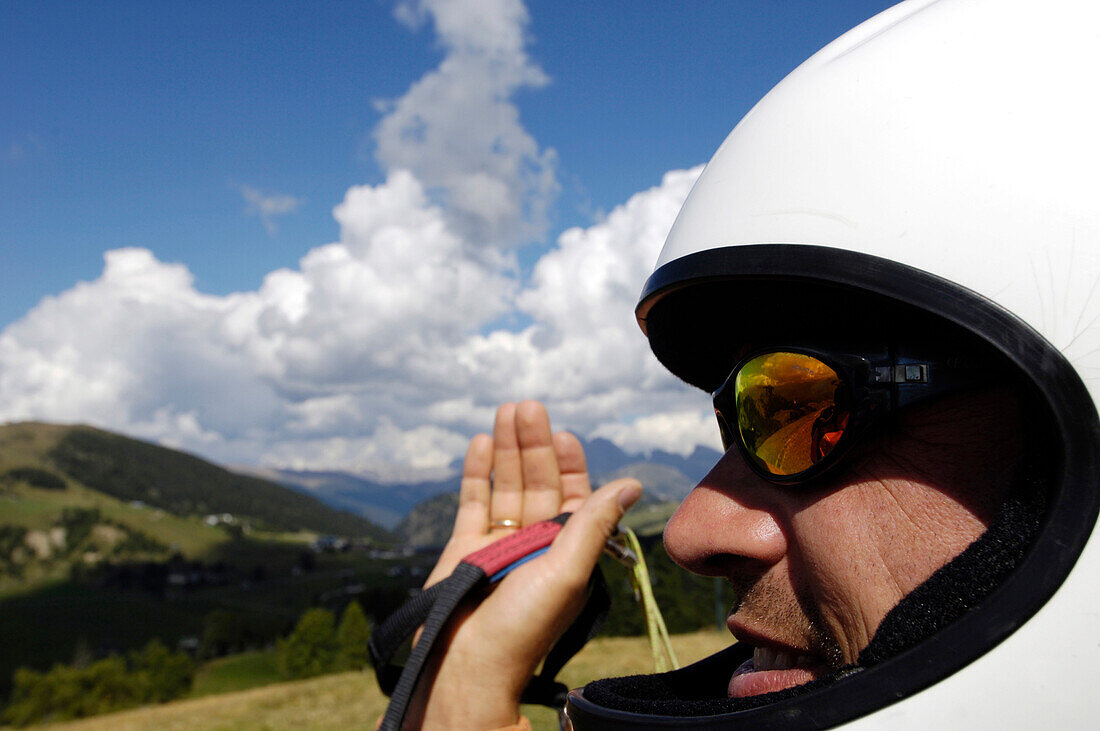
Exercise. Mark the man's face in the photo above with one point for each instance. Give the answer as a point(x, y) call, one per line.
point(816, 567)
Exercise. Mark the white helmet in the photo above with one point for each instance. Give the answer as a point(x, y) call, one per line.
point(946, 155)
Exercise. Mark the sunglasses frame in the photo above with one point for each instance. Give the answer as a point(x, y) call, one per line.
point(876, 386)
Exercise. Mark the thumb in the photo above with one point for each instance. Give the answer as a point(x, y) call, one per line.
point(583, 537)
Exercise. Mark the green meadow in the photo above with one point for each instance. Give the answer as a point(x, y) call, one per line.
point(352, 700)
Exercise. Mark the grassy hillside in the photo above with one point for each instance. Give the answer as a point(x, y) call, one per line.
point(142, 533)
point(352, 700)
point(72, 497)
point(182, 484)
point(104, 545)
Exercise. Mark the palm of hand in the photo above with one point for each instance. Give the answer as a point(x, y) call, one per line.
point(523, 473)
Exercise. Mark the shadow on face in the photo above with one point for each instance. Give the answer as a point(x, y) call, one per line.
point(817, 566)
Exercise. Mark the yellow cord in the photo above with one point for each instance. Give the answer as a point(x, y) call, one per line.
point(664, 658)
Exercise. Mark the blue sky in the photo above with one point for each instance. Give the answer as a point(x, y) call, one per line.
point(215, 140)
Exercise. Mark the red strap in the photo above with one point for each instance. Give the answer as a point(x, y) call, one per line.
point(510, 549)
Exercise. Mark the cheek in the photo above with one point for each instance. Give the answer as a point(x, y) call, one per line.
point(840, 562)
point(833, 551)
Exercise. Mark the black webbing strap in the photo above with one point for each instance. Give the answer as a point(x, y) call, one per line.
point(454, 588)
point(387, 639)
point(434, 606)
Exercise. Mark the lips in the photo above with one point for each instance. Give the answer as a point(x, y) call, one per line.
point(772, 669)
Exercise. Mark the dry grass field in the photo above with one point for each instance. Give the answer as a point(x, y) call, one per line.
point(352, 700)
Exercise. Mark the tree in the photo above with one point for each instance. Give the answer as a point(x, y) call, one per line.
point(222, 633)
point(311, 648)
point(31, 698)
point(106, 686)
point(168, 674)
point(352, 637)
point(67, 691)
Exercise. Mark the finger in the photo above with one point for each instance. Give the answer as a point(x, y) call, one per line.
point(575, 485)
point(474, 494)
point(541, 476)
point(507, 493)
point(578, 546)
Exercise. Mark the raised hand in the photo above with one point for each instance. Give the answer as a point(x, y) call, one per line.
point(522, 474)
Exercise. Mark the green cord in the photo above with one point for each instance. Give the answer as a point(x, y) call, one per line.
point(664, 658)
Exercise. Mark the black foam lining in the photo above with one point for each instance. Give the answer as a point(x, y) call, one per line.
point(959, 586)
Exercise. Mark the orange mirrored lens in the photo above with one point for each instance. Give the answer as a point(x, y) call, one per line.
point(790, 411)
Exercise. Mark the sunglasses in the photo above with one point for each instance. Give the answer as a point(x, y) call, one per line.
point(794, 412)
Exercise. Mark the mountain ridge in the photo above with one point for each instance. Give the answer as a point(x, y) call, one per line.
point(666, 476)
point(132, 470)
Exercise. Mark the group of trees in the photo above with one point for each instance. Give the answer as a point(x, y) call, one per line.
point(155, 675)
point(150, 675)
point(33, 476)
point(318, 646)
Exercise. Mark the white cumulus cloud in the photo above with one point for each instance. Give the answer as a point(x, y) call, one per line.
point(380, 352)
point(372, 355)
point(458, 130)
point(585, 355)
point(388, 453)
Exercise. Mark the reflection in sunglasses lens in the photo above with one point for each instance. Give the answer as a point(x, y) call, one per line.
point(790, 411)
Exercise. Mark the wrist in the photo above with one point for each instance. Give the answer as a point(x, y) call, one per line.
point(462, 691)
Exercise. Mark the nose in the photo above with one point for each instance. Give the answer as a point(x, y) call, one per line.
point(732, 516)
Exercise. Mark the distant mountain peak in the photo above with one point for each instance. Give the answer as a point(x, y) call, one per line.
point(388, 503)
